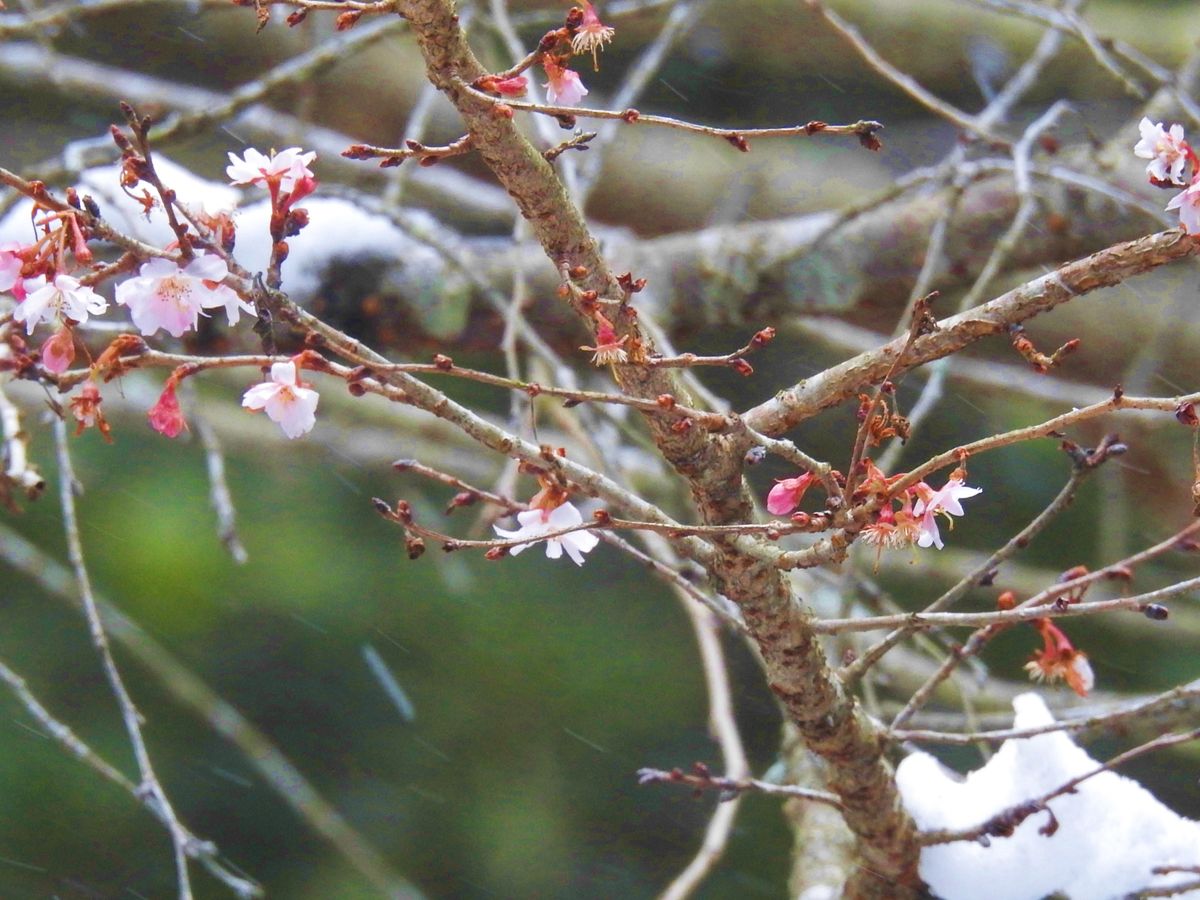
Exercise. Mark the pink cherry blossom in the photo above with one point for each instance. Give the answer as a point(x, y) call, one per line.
point(1187, 202)
point(10, 266)
point(536, 522)
point(787, 493)
point(1166, 150)
point(165, 416)
point(287, 167)
point(592, 34)
point(65, 297)
point(168, 297)
point(285, 400)
point(944, 501)
point(564, 87)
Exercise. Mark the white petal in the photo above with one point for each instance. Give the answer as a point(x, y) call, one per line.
point(284, 373)
point(564, 516)
point(258, 396)
point(207, 266)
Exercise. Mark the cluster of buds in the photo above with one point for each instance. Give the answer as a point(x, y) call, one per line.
point(1171, 158)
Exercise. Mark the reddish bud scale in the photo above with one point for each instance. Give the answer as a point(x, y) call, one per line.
point(630, 285)
point(445, 363)
point(348, 19)
point(763, 337)
point(742, 367)
point(631, 115)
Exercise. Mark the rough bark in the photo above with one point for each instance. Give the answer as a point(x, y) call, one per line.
point(829, 719)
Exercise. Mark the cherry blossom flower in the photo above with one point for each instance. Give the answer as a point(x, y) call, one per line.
point(66, 297)
point(537, 522)
point(609, 348)
point(592, 35)
point(168, 297)
point(284, 168)
point(944, 501)
point(1187, 202)
point(1058, 659)
point(893, 528)
point(787, 494)
point(165, 416)
point(85, 407)
point(58, 351)
point(285, 399)
point(10, 266)
point(564, 87)
point(1167, 151)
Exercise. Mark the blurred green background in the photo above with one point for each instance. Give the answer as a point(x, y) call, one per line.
point(539, 689)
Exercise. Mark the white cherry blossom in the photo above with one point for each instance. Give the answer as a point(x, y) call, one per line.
point(944, 501)
point(1166, 150)
point(45, 301)
point(285, 400)
point(290, 166)
point(537, 522)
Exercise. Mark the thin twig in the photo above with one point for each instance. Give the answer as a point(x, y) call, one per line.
point(714, 783)
point(189, 690)
point(218, 490)
point(150, 784)
point(205, 852)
